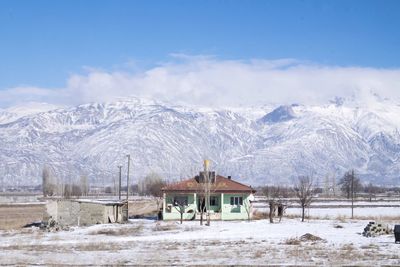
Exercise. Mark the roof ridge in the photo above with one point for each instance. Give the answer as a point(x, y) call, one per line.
point(234, 181)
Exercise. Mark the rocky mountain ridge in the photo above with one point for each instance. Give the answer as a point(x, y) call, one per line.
point(266, 145)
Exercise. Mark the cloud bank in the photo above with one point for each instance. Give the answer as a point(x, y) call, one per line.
point(209, 81)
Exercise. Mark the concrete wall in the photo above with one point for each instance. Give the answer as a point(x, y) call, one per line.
point(74, 212)
point(67, 212)
point(92, 213)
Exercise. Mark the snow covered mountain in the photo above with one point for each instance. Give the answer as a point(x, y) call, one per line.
point(254, 145)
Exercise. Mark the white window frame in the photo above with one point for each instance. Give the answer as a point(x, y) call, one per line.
point(237, 201)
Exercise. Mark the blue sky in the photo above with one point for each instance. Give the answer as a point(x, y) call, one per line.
point(44, 43)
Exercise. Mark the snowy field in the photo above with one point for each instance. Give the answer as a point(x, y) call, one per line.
point(333, 213)
point(150, 242)
point(339, 209)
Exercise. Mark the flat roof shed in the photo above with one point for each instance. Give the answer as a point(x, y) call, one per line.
point(86, 211)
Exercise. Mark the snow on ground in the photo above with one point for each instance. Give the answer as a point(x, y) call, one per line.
point(333, 213)
point(231, 243)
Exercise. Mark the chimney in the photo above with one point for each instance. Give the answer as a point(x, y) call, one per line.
point(229, 177)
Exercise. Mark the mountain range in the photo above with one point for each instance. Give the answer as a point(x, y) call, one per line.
point(272, 144)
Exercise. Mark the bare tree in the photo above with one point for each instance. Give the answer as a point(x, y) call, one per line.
point(67, 192)
point(206, 186)
point(248, 206)
point(272, 193)
point(84, 185)
point(154, 187)
point(150, 183)
point(48, 184)
point(108, 190)
point(372, 190)
point(180, 205)
point(76, 190)
point(349, 184)
point(304, 193)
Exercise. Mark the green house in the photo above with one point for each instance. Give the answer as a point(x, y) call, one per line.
point(228, 199)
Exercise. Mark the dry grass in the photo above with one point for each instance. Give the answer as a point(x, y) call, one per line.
point(379, 218)
point(292, 241)
point(291, 216)
point(310, 237)
point(370, 246)
point(164, 226)
point(131, 230)
point(259, 254)
point(16, 216)
point(341, 218)
point(259, 215)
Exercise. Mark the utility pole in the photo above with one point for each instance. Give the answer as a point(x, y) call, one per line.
point(352, 193)
point(207, 187)
point(119, 182)
point(127, 188)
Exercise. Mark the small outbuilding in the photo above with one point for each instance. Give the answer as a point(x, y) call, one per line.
point(82, 212)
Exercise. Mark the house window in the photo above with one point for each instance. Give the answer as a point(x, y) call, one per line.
point(213, 201)
point(236, 201)
point(180, 200)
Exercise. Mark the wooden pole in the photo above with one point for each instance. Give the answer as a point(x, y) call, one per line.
point(352, 194)
point(207, 181)
point(119, 182)
point(127, 187)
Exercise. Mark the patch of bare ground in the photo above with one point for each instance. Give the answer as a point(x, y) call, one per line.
point(292, 241)
point(99, 246)
point(259, 215)
point(161, 226)
point(309, 237)
point(119, 231)
point(16, 216)
point(338, 226)
point(304, 238)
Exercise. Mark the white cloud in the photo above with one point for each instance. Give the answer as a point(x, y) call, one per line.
point(208, 81)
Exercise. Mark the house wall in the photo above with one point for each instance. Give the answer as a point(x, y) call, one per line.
point(223, 211)
point(234, 212)
point(172, 212)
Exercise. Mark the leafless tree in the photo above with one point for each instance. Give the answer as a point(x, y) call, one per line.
point(48, 185)
point(372, 190)
point(248, 207)
point(153, 186)
point(180, 206)
point(272, 193)
point(108, 190)
point(84, 185)
point(353, 184)
point(350, 184)
point(76, 190)
point(67, 192)
point(304, 193)
point(206, 186)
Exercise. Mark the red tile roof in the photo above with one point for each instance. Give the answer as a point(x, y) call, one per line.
point(222, 184)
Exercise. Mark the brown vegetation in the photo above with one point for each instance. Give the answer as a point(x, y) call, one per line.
point(16, 216)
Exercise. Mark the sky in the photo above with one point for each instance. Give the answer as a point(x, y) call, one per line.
point(206, 52)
